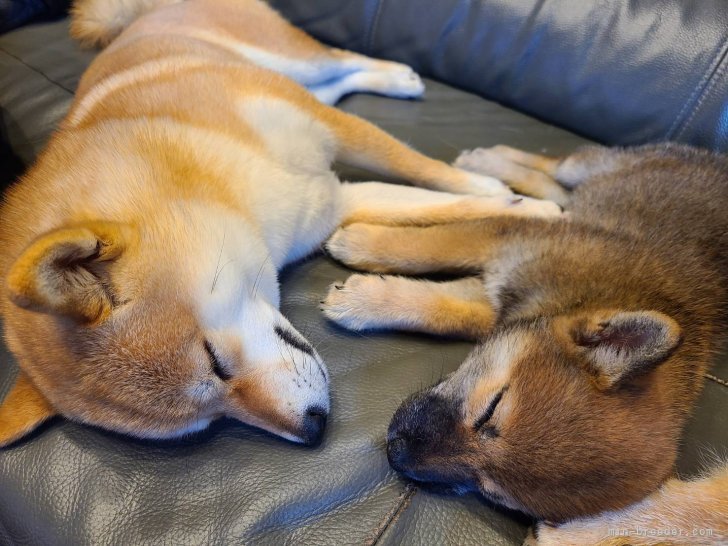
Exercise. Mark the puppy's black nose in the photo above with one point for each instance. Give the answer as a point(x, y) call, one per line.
point(314, 423)
point(398, 453)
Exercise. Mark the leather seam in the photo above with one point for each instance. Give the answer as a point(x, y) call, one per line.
point(717, 379)
point(698, 95)
point(373, 27)
point(720, 70)
point(21, 61)
point(391, 517)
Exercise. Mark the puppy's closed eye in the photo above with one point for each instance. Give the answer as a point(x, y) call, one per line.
point(482, 424)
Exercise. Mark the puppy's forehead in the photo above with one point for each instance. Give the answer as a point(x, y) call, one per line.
point(489, 366)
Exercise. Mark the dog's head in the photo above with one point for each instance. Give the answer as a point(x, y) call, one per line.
point(557, 418)
point(157, 329)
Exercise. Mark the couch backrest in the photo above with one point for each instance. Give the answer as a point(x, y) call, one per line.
point(617, 71)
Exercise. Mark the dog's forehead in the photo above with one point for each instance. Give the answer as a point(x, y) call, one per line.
point(494, 358)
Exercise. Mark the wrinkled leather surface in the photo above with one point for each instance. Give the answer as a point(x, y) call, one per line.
point(70, 484)
point(620, 72)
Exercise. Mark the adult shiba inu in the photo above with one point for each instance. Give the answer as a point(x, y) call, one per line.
point(595, 332)
point(139, 255)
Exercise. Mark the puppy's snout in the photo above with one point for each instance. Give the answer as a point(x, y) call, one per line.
point(314, 423)
point(398, 453)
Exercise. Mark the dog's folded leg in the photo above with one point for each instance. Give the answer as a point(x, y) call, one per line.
point(680, 513)
point(457, 308)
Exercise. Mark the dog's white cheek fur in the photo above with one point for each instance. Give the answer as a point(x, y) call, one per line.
point(237, 294)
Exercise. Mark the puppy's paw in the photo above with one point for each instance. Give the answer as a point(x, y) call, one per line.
point(355, 304)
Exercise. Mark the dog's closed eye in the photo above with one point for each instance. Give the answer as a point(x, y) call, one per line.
point(482, 425)
point(217, 367)
point(293, 340)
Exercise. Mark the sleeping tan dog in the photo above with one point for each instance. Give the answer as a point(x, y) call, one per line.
point(139, 255)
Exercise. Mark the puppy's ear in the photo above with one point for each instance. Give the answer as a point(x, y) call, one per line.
point(621, 345)
point(63, 271)
point(23, 409)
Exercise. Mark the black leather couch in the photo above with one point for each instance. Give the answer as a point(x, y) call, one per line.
point(620, 72)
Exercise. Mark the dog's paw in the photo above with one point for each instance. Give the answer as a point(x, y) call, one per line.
point(486, 161)
point(404, 83)
point(354, 246)
point(485, 186)
point(354, 304)
point(392, 66)
point(512, 205)
point(484, 174)
point(486, 167)
point(533, 208)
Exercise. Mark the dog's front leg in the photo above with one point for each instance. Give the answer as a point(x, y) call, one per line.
point(395, 205)
point(396, 229)
point(376, 302)
point(459, 248)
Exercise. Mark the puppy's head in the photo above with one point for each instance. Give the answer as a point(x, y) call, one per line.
point(556, 418)
point(157, 329)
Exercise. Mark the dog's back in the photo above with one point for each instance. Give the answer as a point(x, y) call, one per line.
point(649, 230)
point(669, 197)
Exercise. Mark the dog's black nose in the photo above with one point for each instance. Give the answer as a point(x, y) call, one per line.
point(314, 423)
point(397, 453)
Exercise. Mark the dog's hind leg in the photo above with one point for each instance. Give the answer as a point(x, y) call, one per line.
point(397, 84)
point(259, 34)
point(362, 144)
point(457, 308)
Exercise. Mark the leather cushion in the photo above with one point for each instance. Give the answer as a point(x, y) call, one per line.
point(619, 72)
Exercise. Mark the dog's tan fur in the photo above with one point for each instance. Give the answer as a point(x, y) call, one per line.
point(139, 254)
point(600, 328)
point(679, 513)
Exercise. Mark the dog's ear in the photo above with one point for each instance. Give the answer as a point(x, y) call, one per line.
point(621, 345)
point(63, 271)
point(23, 409)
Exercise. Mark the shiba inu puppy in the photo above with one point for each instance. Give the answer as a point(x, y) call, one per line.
point(139, 256)
point(594, 335)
